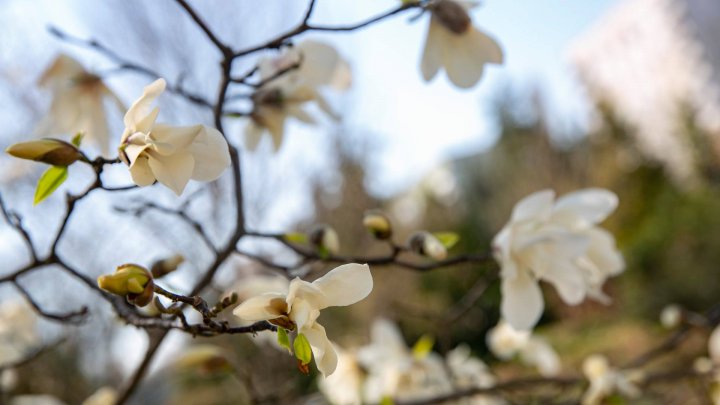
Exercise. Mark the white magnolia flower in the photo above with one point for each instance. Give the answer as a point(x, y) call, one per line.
point(558, 242)
point(170, 155)
point(18, 331)
point(470, 372)
point(311, 63)
point(77, 102)
point(455, 44)
point(506, 342)
point(274, 104)
point(605, 380)
point(301, 305)
point(393, 370)
point(344, 386)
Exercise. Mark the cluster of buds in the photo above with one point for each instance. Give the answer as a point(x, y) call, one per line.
point(51, 151)
point(131, 281)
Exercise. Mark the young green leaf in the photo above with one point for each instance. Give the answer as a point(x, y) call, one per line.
point(49, 182)
point(448, 239)
point(283, 339)
point(423, 347)
point(303, 351)
point(295, 237)
point(77, 139)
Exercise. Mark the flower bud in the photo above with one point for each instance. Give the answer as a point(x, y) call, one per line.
point(131, 281)
point(378, 224)
point(166, 266)
point(205, 359)
point(451, 15)
point(51, 151)
point(427, 244)
point(325, 238)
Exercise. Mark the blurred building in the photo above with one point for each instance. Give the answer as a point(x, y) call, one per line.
point(656, 65)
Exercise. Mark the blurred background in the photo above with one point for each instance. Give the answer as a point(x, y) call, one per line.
point(620, 94)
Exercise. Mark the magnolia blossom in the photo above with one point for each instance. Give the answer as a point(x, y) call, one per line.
point(77, 102)
point(605, 380)
point(311, 63)
point(506, 342)
point(455, 44)
point(103, 396)
point(274, 104)
point(170, 155)
point(18, 331)
point(558, 242)
point(344, 386)
point(394, 371)
point(300, 307)
point(470, 372)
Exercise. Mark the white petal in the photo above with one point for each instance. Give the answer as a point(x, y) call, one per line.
point(323, 351)
point(486, 47)
point(603, 252)
point(169, 140)
point(342, 77)
point(714, 345)
point(63, 69)
point(303, 313)
point(141, 173)
point(140, 109)
point(522, 301)
point(592, 204)
point(173, 171)
point(211, 154)
point(540, 354)
point(301, 115)
point(431, 57)
point(134, 151)
point(261, 308)
point(345, 285)
point(253, 134)
point(535, 206)
point(319, 62)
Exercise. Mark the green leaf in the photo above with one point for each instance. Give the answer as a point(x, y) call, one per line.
point(49, 182)
point(387, 401)
point(283, 339)
point(448, 239)
point(323, 252)
point(303, 351)
point(423, 347)
point(295, 237)
point(77, 139)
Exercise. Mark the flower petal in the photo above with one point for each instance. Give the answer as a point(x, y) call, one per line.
point(168, 140)
point(319, 62)
point(173, 171)
point(345, 285)
point(261, 308)
point(136, 117)
point(211, 154)
point(522, 301)
point(592, 205)
point(63, 69)
point(253, 134)
point(536, 205)
point(432, 52)
point(323, 351)
point(141, 173)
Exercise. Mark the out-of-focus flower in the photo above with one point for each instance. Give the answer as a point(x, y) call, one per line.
point(103, 396)
point(394, 372)
point(299, 308)
point(170, 155)
point(35, 400)
point(166, 266)
point(273, 104)
point(427, 244)
point(344, 386)
point(671, 316)
point(204, 360)
point(470, 372)
point(51, 151)
point(605, 380)
point(455, 44)
point(77, 102)
point(559, 242)
point(506, 342)
point(310, 63)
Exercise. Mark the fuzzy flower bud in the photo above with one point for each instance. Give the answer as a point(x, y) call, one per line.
point(131, 281)
point(427, 244)
point(166, 266)
point(671, 316)
point(326, 239)
point(51, 151)
point(378, 224)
